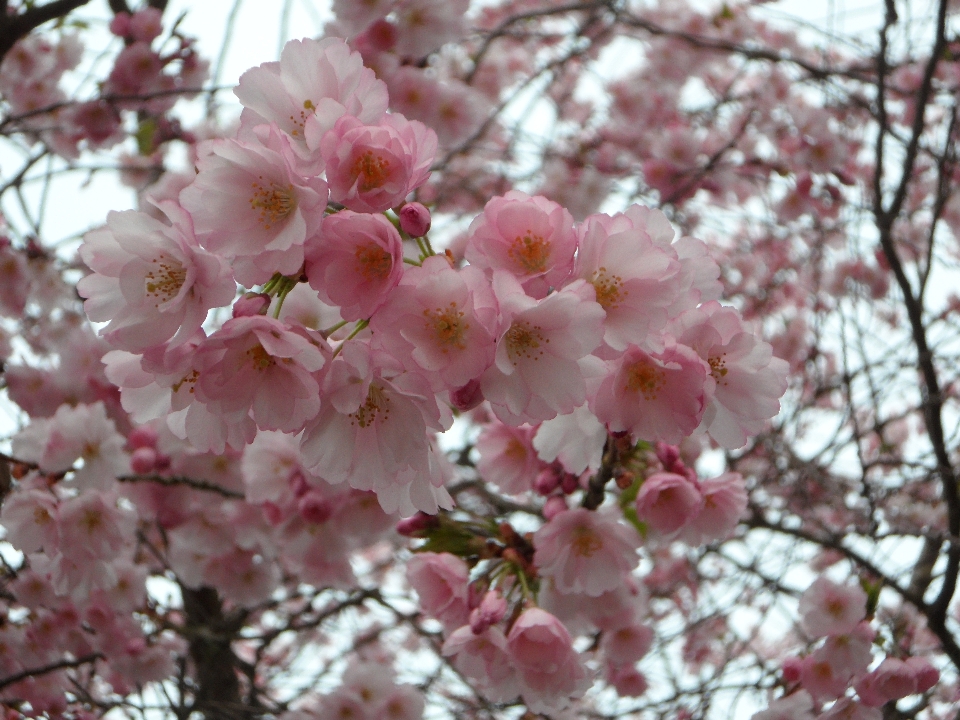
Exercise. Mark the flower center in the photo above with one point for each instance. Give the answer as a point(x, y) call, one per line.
point(260, 358)
point(645, 378)
point(530, 252)
point(718, 368)
point(373, 262)
point(299, 122)
point(190, 380)
point(91, 520)
point(165, 279)
point(585, 543)
point(41, 516)
point(275, 202)
point(515, 450)
point(371, 171)
point(523, 342)
point(376, 406)
point(609, 289)
point(448, 326)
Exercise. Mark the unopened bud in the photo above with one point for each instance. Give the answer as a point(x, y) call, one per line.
point(569, 484)
point(553, 507)
point(791, 669)
point(467, 397)
point(142, 436)
point(143, 460)
point(415, 219)
point(314, 508)
point(416, 524)
point(251, 304)
point(547, 481)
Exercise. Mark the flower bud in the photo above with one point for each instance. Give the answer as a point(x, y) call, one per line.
point(467, 397)
point(415, 219)
point(141, 437)
point(143, 460)
point(314, 508)
point(411, 526)
point(547, 481)
point(251, 304)
point(553, 507)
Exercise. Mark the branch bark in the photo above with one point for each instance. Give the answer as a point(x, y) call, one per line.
point(14, 27)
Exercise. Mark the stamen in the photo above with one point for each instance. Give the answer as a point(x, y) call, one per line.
point(165, 279)
point(530, 252)
point(448, 326)
point(371, 171)
point(523, 342)
point(645, 378)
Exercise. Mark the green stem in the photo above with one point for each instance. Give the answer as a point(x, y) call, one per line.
point(333, 328)
point(361, 324)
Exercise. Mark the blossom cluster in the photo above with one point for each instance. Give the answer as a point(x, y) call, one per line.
point(611, 315)
point(837, 613)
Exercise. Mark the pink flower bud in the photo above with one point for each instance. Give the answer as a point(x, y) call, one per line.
point(467, 397)
point(491, 611)
point(142, 436)
point(120, 25)
point(412, 526)
point(927, 675)
point(415, 219)
point(314, 508)
point(251, 304)
point(143, 460)
point(569, 484)
point(273, 513)
point(547, 481)
point(381, 36)
point(791, 669)
point(553, 507)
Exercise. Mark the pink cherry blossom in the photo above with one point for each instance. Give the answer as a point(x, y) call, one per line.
point(484, 658)
point(540, 361)
point(636, 281)
point(441, 322)
point(822, 676)
point(356, 262)
point(747, 380)
point(151, 282)
point(530, 237)
point(314, 84)
point(374, 167)
point(797, 706)
point(575, 439)
point(724, 504)
point(507, 458)
point(827, 608)
point(258, 364)
point(585, 552)
point(357, 16)
point(440, 580)
point(893, 679)
point(84, 432)
point(30, 520)
point(550, 670)
point(667, 502)
point(653, 396)
point(626, 645)
point(425, 25)
point(372, 431)
point(250, 206)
